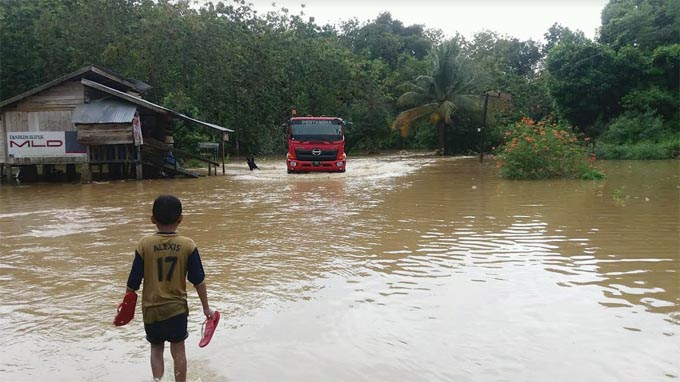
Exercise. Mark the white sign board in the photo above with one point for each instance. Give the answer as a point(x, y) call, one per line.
point(31, 144)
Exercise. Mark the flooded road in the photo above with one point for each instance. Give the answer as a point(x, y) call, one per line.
point(404, 268)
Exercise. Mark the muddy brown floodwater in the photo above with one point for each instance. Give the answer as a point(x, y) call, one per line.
point(404, 268)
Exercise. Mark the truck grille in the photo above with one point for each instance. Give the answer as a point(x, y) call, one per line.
point(324, 156)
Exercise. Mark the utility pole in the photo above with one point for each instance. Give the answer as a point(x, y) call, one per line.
point(481, 130)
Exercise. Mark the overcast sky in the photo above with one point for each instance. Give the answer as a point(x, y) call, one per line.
point(523, 19)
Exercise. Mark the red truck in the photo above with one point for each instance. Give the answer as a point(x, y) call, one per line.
point(315, 144)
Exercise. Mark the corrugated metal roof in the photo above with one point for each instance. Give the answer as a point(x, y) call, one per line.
point(149, 105)
point(104, 111)
point(133, 83)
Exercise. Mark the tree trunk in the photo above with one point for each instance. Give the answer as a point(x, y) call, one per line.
point(441, 135)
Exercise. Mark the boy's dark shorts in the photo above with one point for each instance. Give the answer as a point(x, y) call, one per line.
point(173, 329)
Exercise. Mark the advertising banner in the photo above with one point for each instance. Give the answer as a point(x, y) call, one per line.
point(31, 144)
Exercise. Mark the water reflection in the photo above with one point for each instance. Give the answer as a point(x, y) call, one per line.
point(403, 268)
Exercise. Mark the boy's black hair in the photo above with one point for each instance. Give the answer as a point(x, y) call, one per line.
point(167, 209)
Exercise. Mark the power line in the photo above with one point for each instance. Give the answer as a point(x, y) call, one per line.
point(569, 65)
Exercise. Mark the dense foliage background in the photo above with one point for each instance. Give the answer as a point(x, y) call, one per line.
point(229, 65)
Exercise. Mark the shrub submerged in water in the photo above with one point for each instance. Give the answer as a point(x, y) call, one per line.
point(542, 150)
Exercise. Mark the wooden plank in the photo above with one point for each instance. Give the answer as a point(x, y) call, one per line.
point(57, 120)
point(90, 133)
point(62, 97)
point(163, 148)
point(173, 170)
point(16, 121)
point(95, 127)
point(104, 126)
point(105, 134)
point(3, 139)
point(46, 160)
point(108, 161)
point(115, 77)
point(108, 140)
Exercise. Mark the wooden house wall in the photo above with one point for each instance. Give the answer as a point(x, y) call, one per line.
point(49, 110)
point(3, 139)
point(105, 134)
point(57, 120)
point(65, 96)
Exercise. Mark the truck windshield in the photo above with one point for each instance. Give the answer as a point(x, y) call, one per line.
point(316, 129)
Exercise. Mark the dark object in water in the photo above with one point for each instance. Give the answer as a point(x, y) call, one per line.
point(251, 163)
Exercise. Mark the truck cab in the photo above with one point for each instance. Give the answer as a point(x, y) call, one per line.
point(315, 144)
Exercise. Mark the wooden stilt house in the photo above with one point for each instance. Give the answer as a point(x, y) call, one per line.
point(93, 123)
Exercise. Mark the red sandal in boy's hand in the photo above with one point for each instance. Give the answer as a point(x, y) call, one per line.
point(126, 309)
point(208, 329)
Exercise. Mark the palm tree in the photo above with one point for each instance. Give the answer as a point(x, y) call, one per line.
point(448, 87)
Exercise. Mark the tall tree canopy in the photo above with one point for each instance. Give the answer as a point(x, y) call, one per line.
point(644, 24)
point(450, 85)
point(583, 83)
point(388, 39)
point(632, 70)
point(226, 63)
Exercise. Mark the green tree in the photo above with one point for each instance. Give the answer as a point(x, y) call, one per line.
point(20, 67)
point(388, 39)
point(449, 86)
point(644, 24)
point(227, 64)
point(504, 55)
point(511, 66)
point(557, 34)
point(583, 83)
point(643, 34)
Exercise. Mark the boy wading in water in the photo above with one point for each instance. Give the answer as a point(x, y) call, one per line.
point(165, 260)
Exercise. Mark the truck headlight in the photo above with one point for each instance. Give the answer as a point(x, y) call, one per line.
point(339, 164)
point(293, 164)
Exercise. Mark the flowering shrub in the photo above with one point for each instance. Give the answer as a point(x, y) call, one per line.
point(541, 150)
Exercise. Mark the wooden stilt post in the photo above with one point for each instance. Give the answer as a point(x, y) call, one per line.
point(71, 173)
point(85, 171)
point(8, 172)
